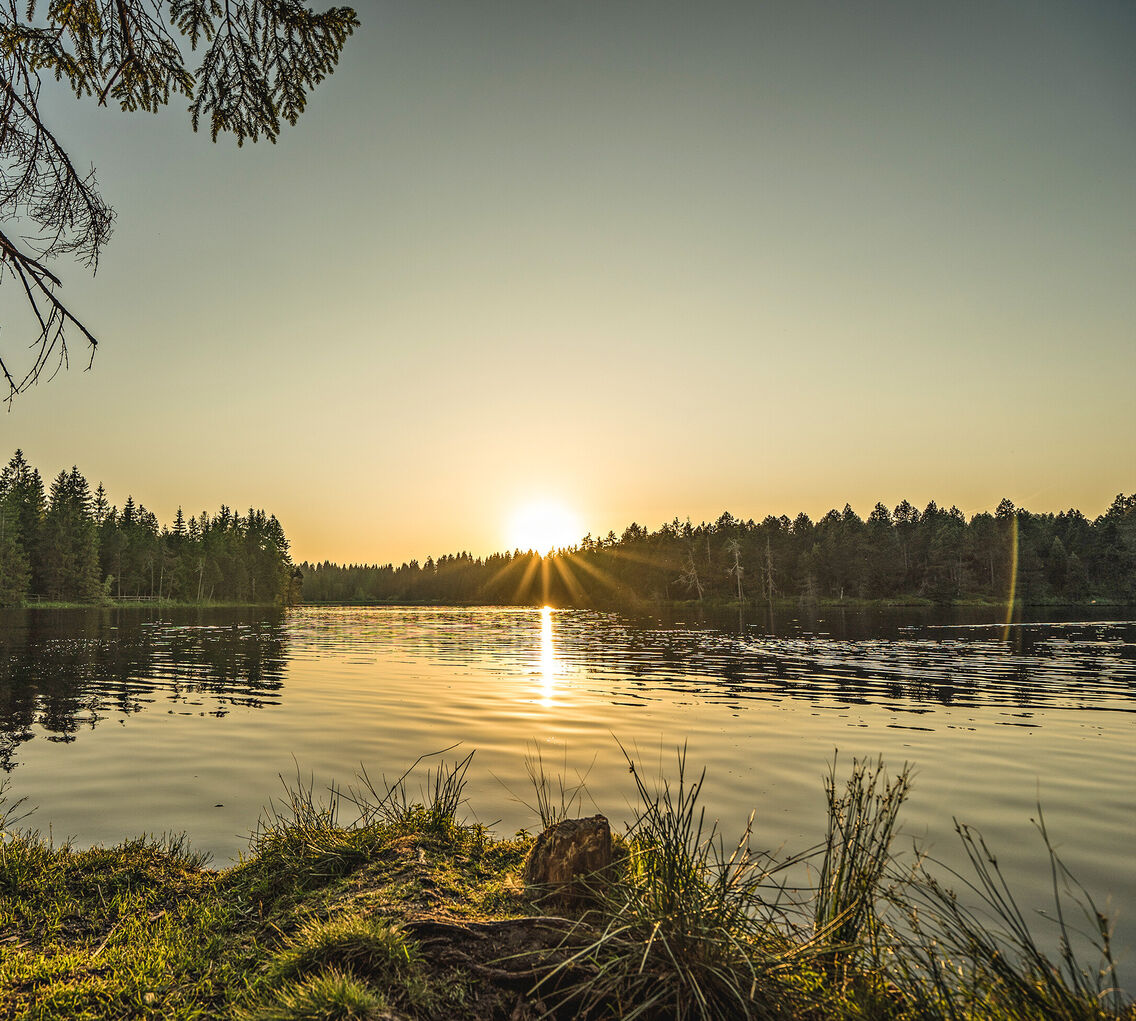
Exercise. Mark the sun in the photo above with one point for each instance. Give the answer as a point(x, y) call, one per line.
point(542, 526)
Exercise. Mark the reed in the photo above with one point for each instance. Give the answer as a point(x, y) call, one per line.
point(554, 800)
point(856, 857)
point(436, 809)
point(12, 811)
point(975, 954)
point(689, 929)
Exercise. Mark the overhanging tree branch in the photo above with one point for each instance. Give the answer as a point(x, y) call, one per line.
point(260, 58)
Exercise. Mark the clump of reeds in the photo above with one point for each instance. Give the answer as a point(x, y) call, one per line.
point(436, 810)
point(856, 857)
point(305, 842)
point(554, 799)
point(976, 955)
point(687, 931)
point(301, 838)
point(12, 812)
point(691, 930)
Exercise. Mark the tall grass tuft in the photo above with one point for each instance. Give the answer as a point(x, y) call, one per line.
point(691, 931)
point(552, 805)
point(856, 856)
point(12, 812)
point(977, 956)
point(329, 996)
point(302, 838)
point(363, 946)
point(369, 949)
point(435, 811)
point(686, 932)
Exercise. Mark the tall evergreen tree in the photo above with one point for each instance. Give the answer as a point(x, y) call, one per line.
point(69, 553)
point(21, 483)
point(15, 574)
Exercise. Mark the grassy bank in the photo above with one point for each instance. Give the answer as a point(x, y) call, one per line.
point(371, 904)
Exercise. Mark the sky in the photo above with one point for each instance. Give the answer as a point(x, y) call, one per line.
point(642, 260)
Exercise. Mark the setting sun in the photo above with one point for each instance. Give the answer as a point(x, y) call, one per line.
point(542, 526)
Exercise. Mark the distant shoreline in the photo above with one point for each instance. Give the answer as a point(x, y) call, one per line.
point(133, 604)
point(638, 606)
point(914, 602)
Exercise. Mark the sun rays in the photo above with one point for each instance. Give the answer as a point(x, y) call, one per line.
point(540, 580)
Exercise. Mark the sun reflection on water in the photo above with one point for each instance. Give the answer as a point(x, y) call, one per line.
point(550, 668)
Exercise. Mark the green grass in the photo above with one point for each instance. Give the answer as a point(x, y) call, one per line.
point(373, 902)
point(142, 930)
point(330, 995)
point(691, 928)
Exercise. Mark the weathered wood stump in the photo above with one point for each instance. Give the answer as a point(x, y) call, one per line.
point(569, 860)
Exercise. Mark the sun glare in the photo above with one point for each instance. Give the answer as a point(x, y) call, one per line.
point(543, 526)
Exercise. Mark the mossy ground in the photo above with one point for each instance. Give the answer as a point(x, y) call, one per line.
point(146, 930)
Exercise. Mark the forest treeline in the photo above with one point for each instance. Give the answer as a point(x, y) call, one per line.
point(70, 544)
point(895, 554)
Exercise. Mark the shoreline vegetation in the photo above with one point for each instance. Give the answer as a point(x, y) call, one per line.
point(130, 604)
point(900, 557)
point(640, 605)
point(373, 904)
point(779, 605)
point(70, 547)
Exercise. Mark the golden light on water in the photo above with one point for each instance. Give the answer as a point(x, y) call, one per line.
point(542, 526)
point(549, 668)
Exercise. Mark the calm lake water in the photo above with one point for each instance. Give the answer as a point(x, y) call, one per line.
point(117, 722)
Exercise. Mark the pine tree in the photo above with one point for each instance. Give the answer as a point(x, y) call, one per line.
point(23, 486)
point(14, 572)
point(69, 548)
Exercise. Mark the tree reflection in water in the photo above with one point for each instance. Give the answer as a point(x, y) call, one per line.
point(62, 670)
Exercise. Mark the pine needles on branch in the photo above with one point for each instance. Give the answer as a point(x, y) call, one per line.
point(260, 58)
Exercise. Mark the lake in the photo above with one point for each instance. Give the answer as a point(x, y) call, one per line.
point(115, 722)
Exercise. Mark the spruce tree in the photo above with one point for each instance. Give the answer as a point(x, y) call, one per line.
point(69, 548)
point(14, 572)
point(20, 482)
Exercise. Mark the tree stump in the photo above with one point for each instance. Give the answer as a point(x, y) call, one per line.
point(569, 860)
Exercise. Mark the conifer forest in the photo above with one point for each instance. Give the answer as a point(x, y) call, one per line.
point(65, 543)
point(903, 554)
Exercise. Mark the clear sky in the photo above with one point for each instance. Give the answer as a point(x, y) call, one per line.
point(645, 259)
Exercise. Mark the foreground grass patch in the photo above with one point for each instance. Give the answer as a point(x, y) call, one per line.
point(405, 913)
point(143, 929)
point(329, 996)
